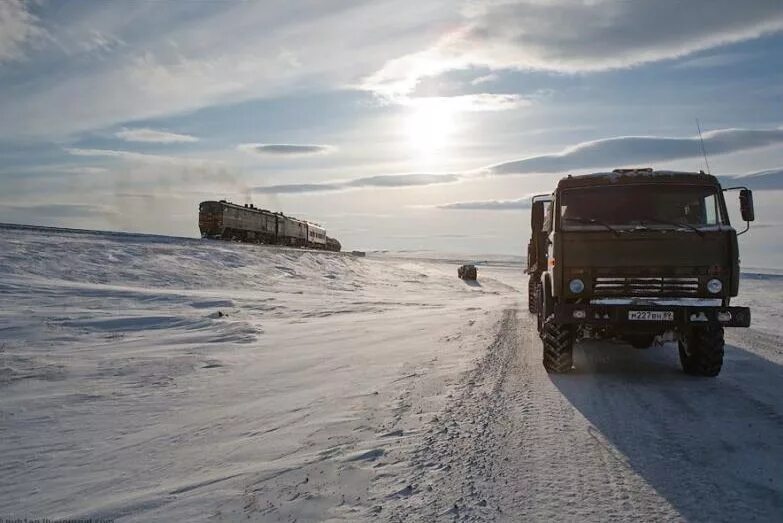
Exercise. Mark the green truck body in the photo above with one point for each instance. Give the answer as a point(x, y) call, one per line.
point(638, 255)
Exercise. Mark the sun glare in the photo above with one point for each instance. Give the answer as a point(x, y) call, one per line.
point(429, 126)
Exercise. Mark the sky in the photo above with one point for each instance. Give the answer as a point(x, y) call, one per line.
point(396, 125)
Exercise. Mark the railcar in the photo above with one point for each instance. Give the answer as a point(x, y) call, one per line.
point(292, 232)
point(333, 245)
point(316, 235)
point(228, 221)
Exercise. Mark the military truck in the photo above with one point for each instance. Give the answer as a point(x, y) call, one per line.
point(467, 272)
point(637, 255)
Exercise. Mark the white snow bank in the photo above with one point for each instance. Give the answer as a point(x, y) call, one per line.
point(166, 379)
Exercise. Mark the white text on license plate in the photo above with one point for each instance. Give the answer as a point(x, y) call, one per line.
point(651, 315)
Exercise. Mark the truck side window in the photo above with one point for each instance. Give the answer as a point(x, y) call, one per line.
point(710, 210)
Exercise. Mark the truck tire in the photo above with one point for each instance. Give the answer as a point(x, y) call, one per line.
point(558, 341)
point(532, 292)
point(701, 351)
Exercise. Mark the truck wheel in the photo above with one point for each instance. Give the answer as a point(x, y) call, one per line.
point(558, 343)
point(532, 293)
point(701, 351)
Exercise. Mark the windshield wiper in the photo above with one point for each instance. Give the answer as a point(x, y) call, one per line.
point(675, 224)
point(592, 221)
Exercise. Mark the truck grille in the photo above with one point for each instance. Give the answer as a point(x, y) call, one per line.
point(645, 286)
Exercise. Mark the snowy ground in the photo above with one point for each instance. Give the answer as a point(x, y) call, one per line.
point(149, 378)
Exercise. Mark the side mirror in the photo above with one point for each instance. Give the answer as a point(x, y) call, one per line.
point(746, 205)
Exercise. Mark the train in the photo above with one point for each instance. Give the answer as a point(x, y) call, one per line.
point(224, 220)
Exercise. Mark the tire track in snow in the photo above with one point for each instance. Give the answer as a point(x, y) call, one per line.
point(511, 447)
point(625, 436)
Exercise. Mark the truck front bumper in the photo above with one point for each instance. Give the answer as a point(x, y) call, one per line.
point(663, 316)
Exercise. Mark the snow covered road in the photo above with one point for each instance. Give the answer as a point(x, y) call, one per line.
point(148, 378)
point(626, 437)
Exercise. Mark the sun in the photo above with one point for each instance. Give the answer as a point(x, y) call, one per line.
point(429, 126)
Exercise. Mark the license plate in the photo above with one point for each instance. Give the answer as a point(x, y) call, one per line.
point(651, 315)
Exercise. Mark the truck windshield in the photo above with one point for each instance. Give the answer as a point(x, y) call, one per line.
point(649, 205)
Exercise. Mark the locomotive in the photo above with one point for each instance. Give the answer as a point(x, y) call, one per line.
point(229, 221)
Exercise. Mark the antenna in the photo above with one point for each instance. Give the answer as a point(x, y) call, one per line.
point(703, 150)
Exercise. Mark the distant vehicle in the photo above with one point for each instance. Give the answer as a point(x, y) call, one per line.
point(332, 244)
point(640, 255)
point(467, 272)
point(228, 221)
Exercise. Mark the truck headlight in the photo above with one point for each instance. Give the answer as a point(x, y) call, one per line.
point(714, 286)
point(576, 286)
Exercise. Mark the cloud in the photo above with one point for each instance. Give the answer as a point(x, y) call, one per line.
point(107, 153)
point(84, 170)
point(284, 149)
point(606, 153)
point(99, 42)
point(153, 136)
point(468, 102)
point(55, 210)
point(489, 205)
point(487, 78)
point(388, 180)
point(771, 179)
point(634, 150)
point(299, 188)
point(131, 156)
point(713, 61)
point(403, 180)
point(579, 36)
point(152, 60)
point(18, 27)
point(161, 59)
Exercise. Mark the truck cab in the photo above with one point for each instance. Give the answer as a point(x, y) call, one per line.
point(638, 255)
